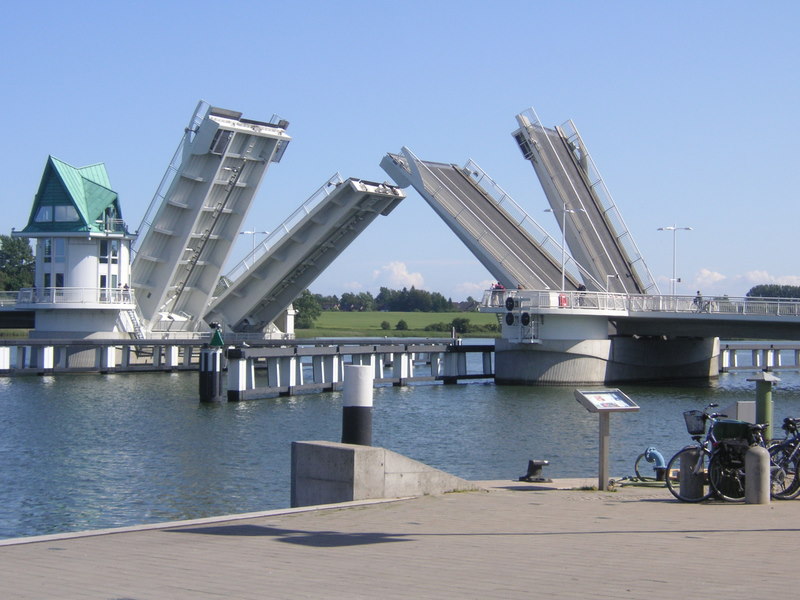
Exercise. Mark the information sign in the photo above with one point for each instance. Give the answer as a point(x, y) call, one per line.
point(605, 400)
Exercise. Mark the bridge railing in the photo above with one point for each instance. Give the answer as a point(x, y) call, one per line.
point(641, 303)
point(8, 298)
point(247, 263)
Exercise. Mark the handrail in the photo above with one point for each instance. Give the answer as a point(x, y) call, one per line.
point(548, 245)
point(596, 181)
point(75, 295)
point(172, 170)
point(528, 121)
point(286, 227)
point(501, 253)
point(745, 306)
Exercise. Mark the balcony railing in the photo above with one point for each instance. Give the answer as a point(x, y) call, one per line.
point(74, 295)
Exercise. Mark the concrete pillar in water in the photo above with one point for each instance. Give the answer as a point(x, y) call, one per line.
point(357, 405)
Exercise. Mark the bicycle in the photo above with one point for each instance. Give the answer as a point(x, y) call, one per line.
point(785, 457)
point(686, 475)
point(726, 468)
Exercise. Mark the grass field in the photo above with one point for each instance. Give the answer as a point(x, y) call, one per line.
point(368, 324)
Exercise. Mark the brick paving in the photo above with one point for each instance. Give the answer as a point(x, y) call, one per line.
point(513, 541)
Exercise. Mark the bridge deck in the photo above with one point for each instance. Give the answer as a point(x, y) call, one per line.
point(564, 168)
point(506, 249)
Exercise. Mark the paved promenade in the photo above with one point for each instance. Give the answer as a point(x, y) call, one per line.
point(513, 541)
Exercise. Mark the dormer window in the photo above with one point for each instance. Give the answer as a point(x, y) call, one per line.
point(66, 213)
point(60, 213)
point(44, 214)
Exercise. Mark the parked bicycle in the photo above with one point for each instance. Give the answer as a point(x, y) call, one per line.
point(726, 469)
point(785, 457)
point(686, 475)
point(715, 464)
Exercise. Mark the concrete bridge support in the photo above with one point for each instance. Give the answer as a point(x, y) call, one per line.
point(616, 359)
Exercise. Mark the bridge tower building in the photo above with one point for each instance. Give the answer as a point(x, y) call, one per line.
point(82, 251)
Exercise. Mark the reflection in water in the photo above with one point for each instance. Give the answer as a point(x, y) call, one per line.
point(93, 451)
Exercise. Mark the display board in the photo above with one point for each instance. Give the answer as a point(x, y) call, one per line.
point(605, 401)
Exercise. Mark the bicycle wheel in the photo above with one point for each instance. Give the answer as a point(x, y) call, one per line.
point(686, 475)
point(726, 477)
point(783, 477)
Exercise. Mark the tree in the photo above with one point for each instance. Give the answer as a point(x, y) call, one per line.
point(308, 310)
point(357, 302)
point(460, 325)
point(385, 325)
point(772, 290)
point(327, 302)
point(16, 263)
point(401, 325)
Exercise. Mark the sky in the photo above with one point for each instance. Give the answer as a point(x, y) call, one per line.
point(689, 110)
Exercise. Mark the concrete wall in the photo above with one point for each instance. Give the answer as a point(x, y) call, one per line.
point(330, 472)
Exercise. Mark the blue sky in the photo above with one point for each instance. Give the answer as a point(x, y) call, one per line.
point(689, 109)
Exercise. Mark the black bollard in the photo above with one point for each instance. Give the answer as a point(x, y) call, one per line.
point(357, 405)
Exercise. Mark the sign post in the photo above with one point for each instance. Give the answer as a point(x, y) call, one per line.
point(604, 402)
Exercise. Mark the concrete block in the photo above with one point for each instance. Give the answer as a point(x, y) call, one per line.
point(330, 472)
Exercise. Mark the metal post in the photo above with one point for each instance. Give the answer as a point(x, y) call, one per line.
point(764, 381)
point(605, 435)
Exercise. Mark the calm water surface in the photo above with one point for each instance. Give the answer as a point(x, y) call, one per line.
point(94, 451)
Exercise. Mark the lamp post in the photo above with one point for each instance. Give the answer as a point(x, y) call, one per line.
point(674, 231)
point(254, 233)
point(564, 212)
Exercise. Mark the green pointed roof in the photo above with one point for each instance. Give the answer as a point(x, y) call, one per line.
point(72, 199)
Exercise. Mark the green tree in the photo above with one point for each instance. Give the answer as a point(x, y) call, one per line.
point(401, 325)
point(308, 310)
point(357, 302)
point(385, 325)
point(16, 263)
point(772, 290)
point(461, 325)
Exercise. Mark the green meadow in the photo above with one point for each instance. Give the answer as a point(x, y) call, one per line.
point(368, 324)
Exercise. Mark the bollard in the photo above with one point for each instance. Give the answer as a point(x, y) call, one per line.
point(691, 484)
point(757, 475)
point(357, 405)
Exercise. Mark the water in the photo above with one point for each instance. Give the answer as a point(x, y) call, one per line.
point(93, 451)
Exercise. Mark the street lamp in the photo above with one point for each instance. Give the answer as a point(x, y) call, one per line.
point(564, 212)
point(254, 234)
point(674, 231)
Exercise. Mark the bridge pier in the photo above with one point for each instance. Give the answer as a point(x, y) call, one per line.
point(616, 359)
